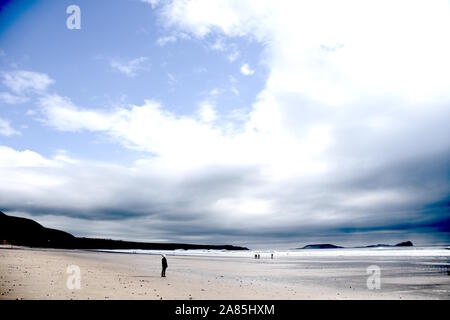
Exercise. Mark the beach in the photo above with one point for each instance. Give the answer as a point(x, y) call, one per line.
point(321, 274)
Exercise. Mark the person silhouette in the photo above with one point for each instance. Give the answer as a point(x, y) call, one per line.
point(164, 265)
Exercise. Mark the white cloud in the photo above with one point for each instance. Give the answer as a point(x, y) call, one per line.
point(6, 129)
point(229, 49)
point(9, 98)
point(397, 57)
point(207, 112)
point(246, 71)
point(233, 83)
point(219, 45)
point(244, 207)
point(10, 158)
point(147, 127)
point(233, 56)
point(162, 41)
point(172, 81)
point(131, 67)
point(183, 142)
point(330, 72)
point(213, 93)
point(234, 90)
point(232, 79)
point(200, 16)
point(23, 81)
point(63, 115)
point(153, 3)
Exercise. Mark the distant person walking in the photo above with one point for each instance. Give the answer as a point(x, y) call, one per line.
point(271, 256)
point(164, 265)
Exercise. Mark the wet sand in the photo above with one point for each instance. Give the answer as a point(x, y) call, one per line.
point(42, 274)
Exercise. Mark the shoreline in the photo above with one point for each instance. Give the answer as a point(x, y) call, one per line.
point(27, 273)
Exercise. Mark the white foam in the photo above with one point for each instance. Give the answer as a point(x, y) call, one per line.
point(339, 252)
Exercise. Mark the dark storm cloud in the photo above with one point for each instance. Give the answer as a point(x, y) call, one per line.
point(183, 208)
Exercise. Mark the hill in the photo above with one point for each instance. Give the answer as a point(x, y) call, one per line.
point(27, 232)
point(332, 246)
point(321, 246)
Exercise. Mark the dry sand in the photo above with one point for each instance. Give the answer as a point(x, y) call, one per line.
point(42, 274)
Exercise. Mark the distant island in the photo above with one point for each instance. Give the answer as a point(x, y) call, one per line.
point(332, 246)
point(29, 233)
point(321, 246)
point(401, 244)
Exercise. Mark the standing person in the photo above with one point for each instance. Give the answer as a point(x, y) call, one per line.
point(271, 256)
point(164, 265)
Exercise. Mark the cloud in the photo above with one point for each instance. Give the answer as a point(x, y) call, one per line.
point(162, 41)
point(11, 158)
point(207, 112)
point(234, 90)
point(9, 98)
point(184, 142)
point(246, 71)
point(229, 49)
point(339, 103)
point(6, 129)
point(63, 115)
point(22, 81)
point(219, 45)
point(217, 204)
point(129, 68)
point(153, 3)
point(348, 140)
point(233, 56)
point(300, 62)
point(201, 16)
point(305, 177)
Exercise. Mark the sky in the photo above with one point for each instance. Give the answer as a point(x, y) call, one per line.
point(268, 124)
